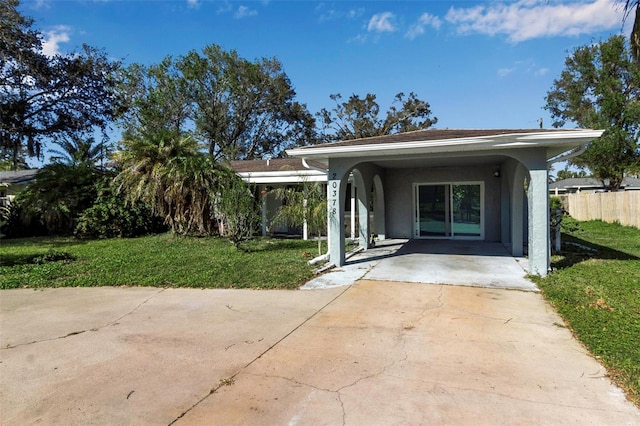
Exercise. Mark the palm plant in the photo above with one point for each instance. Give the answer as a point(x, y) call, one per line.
point(174, 177)
point(635, 32)
point(78, 151)
point(304, 205)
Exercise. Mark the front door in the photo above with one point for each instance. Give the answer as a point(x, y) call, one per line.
point(449, 210)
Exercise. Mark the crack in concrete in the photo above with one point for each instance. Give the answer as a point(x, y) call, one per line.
point(75, 333)
point(442, 386)
point(233, 376)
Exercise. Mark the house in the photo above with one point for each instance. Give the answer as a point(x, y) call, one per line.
point(578, 185)
point(448, 184)
point(12, 182)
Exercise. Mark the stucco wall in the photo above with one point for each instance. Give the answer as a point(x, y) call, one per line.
point(399, 196)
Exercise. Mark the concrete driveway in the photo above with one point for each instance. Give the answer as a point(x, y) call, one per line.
point(376, 352)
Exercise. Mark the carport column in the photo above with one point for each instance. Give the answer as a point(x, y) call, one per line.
point(539, 238)
point(363, 208)
point(336, 191)
point(517, 211)
point(353, 211)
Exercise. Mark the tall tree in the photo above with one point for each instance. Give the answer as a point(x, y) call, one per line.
point(360, 117)
point(599, 88)
point(238, 108)
point(48, 98)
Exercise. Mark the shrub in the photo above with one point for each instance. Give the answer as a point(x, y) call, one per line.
point(111, 217)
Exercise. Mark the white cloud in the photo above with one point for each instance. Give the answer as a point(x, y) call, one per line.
point(530, 19)
point(224, 8)
point(425, 20)
point(527, 67)
point(53, 38)
point(329, 13)
point(244, 11)
point(503, 72)
point(381, 22)
point(194, 4)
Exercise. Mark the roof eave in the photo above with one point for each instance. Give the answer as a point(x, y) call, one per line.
point(561, 141)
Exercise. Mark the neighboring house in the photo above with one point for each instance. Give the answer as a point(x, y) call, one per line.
point(578, 185)
point(12, 182)
point(277, 173)
point(448, 184)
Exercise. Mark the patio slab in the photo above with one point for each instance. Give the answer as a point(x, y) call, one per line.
point(451, 262)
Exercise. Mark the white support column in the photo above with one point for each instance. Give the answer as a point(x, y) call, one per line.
point(517, 212)
point(305, 227)
point(378, 208)
point(353, 211)
point(336, 191)
point(363, 217)
point(263, 209)
point(539, 234)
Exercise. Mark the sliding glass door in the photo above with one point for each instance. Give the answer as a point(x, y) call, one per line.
point(449, 210)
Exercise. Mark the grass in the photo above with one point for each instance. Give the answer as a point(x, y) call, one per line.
point(596, 289)
point(159, 260)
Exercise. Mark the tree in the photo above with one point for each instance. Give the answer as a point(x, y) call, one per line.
point(49, 98)
point(237, 108)
point(600, 89)
point(174, 178)
point(360, 117)
point(59, 194)
point(238, 209)
point(634, 37)
point(570, 174)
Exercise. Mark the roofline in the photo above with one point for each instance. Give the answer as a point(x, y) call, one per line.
point(479, 143)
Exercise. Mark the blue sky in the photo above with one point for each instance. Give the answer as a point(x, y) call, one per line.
point(480, 64)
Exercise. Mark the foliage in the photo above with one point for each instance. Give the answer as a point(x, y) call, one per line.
point(53, 202)
point(634, 37)
point(307, 204)
point(569, 174)
point(237, 108)
point(76, 151)
point(360, 117)
point(597, 291)
point(49, 97)
point(157, 260)
point(111, 217)
point(600, 89)
point(238, 208)
point(174, 178)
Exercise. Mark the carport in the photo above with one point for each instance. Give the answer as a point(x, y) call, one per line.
point(480, 185)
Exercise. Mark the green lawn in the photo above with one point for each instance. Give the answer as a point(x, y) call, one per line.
point(598, 294)
point(159, 260)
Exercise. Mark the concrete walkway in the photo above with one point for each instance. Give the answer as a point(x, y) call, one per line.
point(376, 352)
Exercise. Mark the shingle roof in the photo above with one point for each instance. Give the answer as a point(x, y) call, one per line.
point(590, 183)
point(430, 135)
point(273, 165)
point(14, 177)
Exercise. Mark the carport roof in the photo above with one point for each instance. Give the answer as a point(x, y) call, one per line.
point(461, 140)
